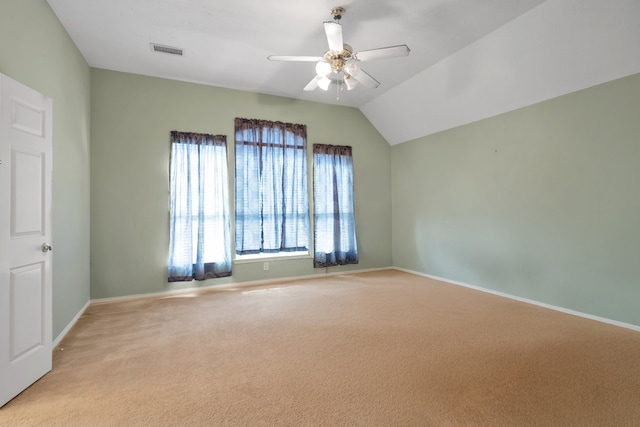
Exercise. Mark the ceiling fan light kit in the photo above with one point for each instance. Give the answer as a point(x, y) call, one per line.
point(339, 64)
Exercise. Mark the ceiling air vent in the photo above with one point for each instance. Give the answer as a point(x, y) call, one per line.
point(166, 49)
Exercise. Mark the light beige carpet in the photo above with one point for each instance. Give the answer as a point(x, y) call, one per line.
point(372, 349)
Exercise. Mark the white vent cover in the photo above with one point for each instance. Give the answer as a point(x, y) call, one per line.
point(166, 49)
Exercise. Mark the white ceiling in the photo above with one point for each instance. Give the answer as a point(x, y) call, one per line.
point(226, 44)
point(559, 47)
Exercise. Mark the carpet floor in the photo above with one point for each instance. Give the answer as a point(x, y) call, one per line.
point(384, 348)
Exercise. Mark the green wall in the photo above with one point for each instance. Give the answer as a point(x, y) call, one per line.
point(36, 50)
point(131, 119)
point(542, 202)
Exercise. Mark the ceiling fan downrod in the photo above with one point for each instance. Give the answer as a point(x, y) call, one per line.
point(337, 13)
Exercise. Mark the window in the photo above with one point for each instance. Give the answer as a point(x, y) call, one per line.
point(199, 235)
point(272, 202)
point(335, 226)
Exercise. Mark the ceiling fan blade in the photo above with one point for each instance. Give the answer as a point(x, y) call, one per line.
point(334, 36)
point(294, 58)
point(364, 79)
point(312, 85)
point(383, 52)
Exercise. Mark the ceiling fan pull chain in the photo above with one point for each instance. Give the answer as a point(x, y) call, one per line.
point(339, 88)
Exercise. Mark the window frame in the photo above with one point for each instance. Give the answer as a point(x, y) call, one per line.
point(258, 129)
point(188, 150)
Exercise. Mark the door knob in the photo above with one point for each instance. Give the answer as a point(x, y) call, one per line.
point(46, 247)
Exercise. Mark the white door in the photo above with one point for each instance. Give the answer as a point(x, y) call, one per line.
point(25, 236)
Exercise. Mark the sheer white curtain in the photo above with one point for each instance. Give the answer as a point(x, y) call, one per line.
point(272, 202)
point(334, 208)
point(200, 242)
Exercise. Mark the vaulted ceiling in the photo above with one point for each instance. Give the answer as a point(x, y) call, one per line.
point(469, 59)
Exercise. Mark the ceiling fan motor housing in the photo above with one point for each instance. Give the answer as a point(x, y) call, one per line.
point(339, 59)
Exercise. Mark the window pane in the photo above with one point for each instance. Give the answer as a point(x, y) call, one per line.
point(272, 206)
point(335, 230)
point(199, 214)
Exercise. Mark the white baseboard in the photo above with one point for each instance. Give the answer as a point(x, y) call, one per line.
point(526, 300)
point(232, 285)
point(66, 330)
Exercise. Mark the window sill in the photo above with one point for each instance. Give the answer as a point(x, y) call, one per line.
point(242, 259)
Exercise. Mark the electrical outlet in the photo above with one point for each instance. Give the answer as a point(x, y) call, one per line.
point(265, 266)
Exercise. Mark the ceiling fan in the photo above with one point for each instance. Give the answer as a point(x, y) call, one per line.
point(340, 64)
